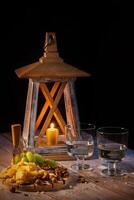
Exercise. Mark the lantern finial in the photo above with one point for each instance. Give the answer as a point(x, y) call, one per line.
point(50, 43)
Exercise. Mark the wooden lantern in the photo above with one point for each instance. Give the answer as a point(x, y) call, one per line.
point(49, 69)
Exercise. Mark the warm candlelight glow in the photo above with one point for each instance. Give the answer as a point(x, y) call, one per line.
point(52, 125)
point(52, 135)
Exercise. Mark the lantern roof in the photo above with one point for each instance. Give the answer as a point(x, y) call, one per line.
point(50, 65)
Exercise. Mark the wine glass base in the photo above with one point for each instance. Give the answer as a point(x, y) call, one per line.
point(112, 172)
point(81, 167)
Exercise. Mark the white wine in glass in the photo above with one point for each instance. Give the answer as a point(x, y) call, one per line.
point(81, 146)
point(112, 146)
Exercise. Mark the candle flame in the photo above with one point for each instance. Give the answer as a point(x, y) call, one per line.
point(52, 125)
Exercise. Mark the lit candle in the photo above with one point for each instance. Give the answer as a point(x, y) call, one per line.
point(52, 135)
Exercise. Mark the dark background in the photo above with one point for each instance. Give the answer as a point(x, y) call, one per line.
point(97, 38)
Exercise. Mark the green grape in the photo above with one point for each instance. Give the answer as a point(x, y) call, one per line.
point(52, 163)
point(29, 156)
point(22, 155)
point(38, 159)
point(24, 158)
point(17, 159)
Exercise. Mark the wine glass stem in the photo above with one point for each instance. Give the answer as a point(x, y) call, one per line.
point(80, 163)
point(112, 168)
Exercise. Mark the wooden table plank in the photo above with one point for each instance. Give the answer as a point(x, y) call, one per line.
point(7, 195)
point(122, 187)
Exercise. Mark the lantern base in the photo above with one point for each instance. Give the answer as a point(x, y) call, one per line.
point(55, 152)
point(58, 157)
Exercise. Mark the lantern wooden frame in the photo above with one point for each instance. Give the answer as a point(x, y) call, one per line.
point(49, 68)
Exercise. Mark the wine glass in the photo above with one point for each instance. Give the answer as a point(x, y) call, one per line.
point(81, 144)
point(112, 146)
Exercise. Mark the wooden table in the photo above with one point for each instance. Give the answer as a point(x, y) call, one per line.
point(96, 188)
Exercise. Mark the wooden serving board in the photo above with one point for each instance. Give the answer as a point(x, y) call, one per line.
point(35, 187)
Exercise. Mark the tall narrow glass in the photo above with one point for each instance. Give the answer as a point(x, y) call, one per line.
point(112, 145)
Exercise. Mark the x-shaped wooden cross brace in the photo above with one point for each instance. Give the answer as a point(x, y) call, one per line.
point(53, 107)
